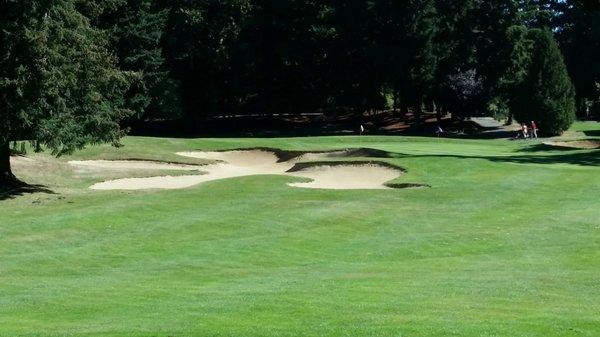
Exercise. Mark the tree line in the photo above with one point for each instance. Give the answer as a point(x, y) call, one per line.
point(74, 72)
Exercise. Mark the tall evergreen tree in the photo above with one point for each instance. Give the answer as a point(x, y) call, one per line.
point(137, 38)
point(58, 83)
point(490, 20)
point(578, 32)
point(285, 40)
point(355, 80)
point(203, 39)
point(405, 48)
point(546, 94)
point(514, 64)
point(454, 50)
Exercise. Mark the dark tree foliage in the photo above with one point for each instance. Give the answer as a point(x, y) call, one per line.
point(356, 83)
point(293, 56)
point(59, 85)
point(490, 20)
point(514, 63)
point(137, 36)
point(404, 48)
point(545, 94)
point(452, 48)
point(207, 55)
point(203, 59)
point(468, 95)
point(579, 36)
point(286, 43)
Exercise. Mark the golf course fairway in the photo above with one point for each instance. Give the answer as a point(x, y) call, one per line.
point(505, 242)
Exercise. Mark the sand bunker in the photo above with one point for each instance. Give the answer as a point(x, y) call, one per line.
point(16, 161)
point(165, 182)
point(131, 165)
point(577, 144)
point(344, 177)
point(20, 159)
point(239, 163)
point(324, 156)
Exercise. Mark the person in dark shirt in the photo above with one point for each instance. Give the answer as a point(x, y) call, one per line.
point(534, 130)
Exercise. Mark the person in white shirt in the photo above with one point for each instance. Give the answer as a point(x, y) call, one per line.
point(525, 131)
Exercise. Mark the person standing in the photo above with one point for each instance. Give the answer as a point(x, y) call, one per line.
point(534, 130)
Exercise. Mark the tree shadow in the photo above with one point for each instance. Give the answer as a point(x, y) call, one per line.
point(19, 188)
point(581, 159)
point(592, 133)
point(591, 158)
point(541, 147)
point(380, 123)
point(487, 135)
point(557, 155)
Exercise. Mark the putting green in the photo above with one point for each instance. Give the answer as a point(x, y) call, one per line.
point(504, 243)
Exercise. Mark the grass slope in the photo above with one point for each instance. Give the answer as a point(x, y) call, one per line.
point(505, 243)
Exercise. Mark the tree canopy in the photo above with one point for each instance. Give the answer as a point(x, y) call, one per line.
point(74, 72)
point(59, 84)
point(543, 92)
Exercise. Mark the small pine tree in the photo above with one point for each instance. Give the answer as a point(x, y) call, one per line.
point(546, 94)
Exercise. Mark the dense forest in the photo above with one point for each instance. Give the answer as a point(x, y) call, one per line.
point(205, 58)
point(74, 72)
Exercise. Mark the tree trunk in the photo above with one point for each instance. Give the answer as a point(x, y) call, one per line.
point(509, 120)
point(418, 111)
point(403, 109)
point(6, 175)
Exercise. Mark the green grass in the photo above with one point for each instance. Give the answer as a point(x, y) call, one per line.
point(505, 243)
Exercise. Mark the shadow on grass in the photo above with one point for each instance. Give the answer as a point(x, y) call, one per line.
point(592, 133)
point(591, 158)
point(553, 155)
point(381, 123)
point(18, 188)
point(545, 147)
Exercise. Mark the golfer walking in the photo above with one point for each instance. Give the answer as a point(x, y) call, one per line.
point(534, 130)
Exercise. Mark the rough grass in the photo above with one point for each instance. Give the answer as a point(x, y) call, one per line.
point(505, 243)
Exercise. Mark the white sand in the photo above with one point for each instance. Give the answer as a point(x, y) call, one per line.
point(166, 182)
point(247, 158)
point(347, 177)
point(238, 163)
point(247, 163)
point(130, 165)
point(20, 160)
point(317, 156)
